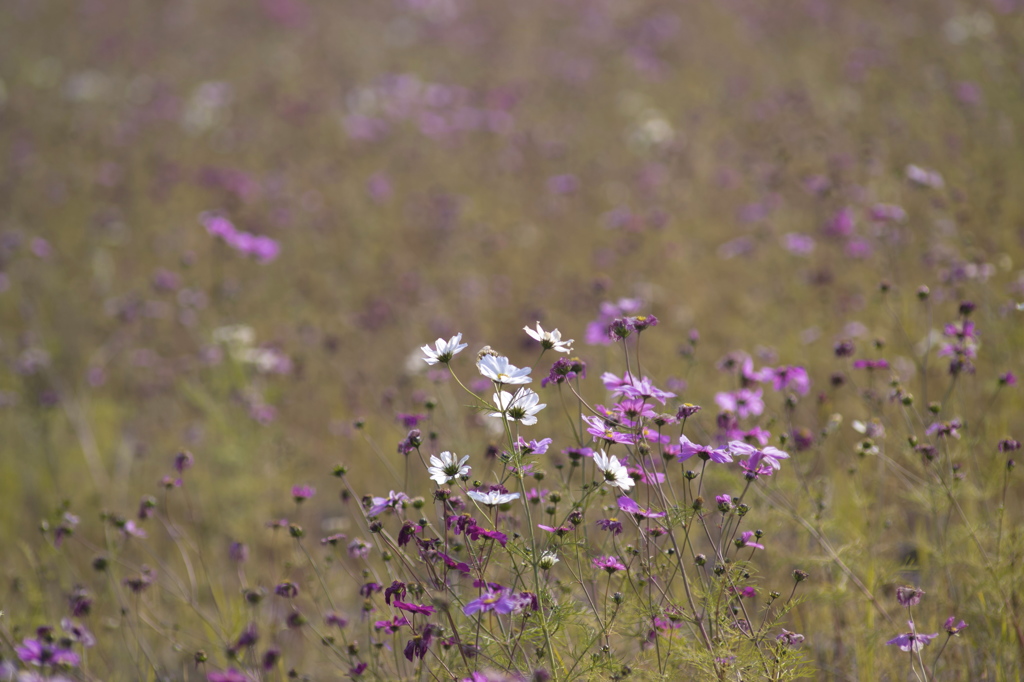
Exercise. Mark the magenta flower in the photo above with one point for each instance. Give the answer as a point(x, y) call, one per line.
point(492, 600)
point(790, 639)
point(262, 248)
point(688, 449)
point(627, 505)
point(745, 540)
point(391, 626)
point(631, 387)
point(912, 641)
point(744, 402)
point(597, 330)
point(634, 408)
point(379, 504)
point(613, 525)
point(609, 564)
point(358, 549)
point(952, 629)
point(798, 244)
point(460, 566)
point(533, 447)
point(888, 213)
point(760, 461)
point(301, 493)
point(751, 377)
point(944, 429)
point(599, 428)
point(909, 596)
point(420, 644)
point(37, 653)
point(422, 609)
point(560, 531)
point(870, 364)
point(791, 377)
point(230, 675)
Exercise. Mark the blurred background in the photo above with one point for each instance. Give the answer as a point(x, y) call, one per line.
point(227, 227)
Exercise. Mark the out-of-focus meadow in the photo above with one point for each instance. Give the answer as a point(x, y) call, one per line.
point(227, 227)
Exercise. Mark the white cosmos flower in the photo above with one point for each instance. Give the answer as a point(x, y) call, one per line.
point(443, 351)
point(615, 474)
point(447, 467)
point(521, 407)
point(498, 369)
point(493, 497)
point(550, 340)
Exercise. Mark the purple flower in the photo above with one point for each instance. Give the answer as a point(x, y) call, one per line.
point(332, 539)
point(627, 505)
point(909, 596)
point(476, 532)
point(688, 449)
point(1008, 445)
point(870, 364)
point(634, 408)
point(80, 602)
point(751, 377)
point(301, 493)
point(533, 447)
point(599, 428)
point(795, 377)
point(414, 608)
point(270, 658)
point(563, 184)
point(924, 177)
point(492, 600)
point(631, 387)
point(790, 639)
point(944, 429)
point(369, 588)
point(183, 460)
point(460, 566)
point(391, 626)
point(952, 629)
point(560, 531)
point(687, 410)
point(760, 461)
point(798, 244)
point(612, 525)
point(842, 223)
point(888, 213)
point(609, 564)
point(238, 552)
point(131, 529)
point(745, 540)
point(418, 645)
point(358, 549)
point(379, 504)
point(248, 638)
point(230, 675)
point(332, 618)
point(396, 590)
point(410, 421)
point(912, 641)
point(565, 369)
point(287, 589)
point(744, 402)
point(724, 503)
point(597, 330)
